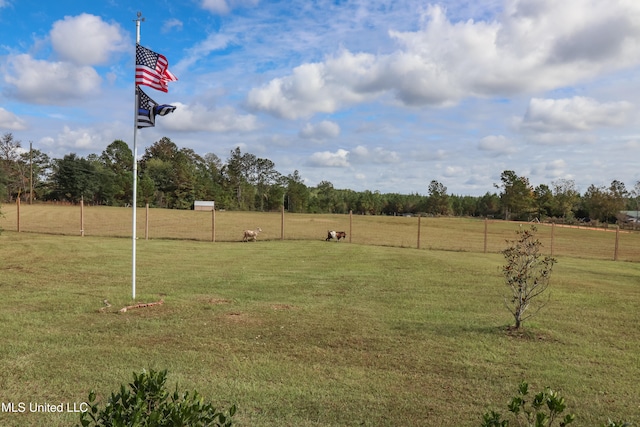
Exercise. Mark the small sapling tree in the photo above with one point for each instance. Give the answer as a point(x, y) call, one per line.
point(527, 275)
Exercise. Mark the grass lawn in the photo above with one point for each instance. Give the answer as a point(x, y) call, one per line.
point(310, 333)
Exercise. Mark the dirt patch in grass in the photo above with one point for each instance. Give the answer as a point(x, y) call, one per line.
point(282, 307)
point(527, 334)
point(237, 317)
point(217, 301)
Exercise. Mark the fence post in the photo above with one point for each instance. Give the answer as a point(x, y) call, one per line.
point(419, 218)
point(282, 223)
point(213, 224)
point(615, 251)
point(350, 225)
point(82, 216)
point(553, 228)
point(486, 225)
point(18, 213)
point(146, 221)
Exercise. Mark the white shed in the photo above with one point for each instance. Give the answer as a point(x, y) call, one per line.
point(203, 205)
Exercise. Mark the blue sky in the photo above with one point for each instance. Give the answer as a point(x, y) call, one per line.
point(382, 95)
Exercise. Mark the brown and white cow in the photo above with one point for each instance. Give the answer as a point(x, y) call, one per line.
point(332, 234)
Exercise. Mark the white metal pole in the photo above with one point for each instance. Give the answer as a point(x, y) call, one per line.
point(135, 173)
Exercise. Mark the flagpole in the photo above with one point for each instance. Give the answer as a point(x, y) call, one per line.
point(135, 172)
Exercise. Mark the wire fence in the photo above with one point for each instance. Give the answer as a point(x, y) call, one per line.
point(439, 233)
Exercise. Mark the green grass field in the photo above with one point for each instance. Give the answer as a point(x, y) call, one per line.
point(310, 333)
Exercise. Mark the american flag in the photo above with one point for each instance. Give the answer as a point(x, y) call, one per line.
point(152, 69)
point(148, 109)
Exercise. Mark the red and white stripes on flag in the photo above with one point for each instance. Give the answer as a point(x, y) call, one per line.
point(152, 69)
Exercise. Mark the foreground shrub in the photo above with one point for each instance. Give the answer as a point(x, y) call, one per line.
point(542, 411)
point(146, 403)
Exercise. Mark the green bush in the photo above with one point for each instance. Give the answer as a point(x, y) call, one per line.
point(146, 403)
point(617, 424)
point(545, 408)
point(540, 412)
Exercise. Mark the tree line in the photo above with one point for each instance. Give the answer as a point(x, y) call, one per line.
point(172, 177)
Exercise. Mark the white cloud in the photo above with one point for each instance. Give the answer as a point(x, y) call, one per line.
point(426, 154)
point(225, 6)
point(323, 130)
point(496, 144)
point(9, 121)
point(339, 159)
point(87, 40)
point(633, 144)
point(44, 82)
point(80, 139)
point(197, 117)
point(534, 46)
point(213, 42)
point(454, 171)
point(556, 164)
point(561, 139)
point(555, 169)
point(80, 42)
point(559, 43)
point(216, 6)
point(316, 87)
point(574, 114)
point(378, 155)
point(172, 25)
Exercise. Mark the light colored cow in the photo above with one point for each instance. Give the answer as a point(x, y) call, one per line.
point(251, 234)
